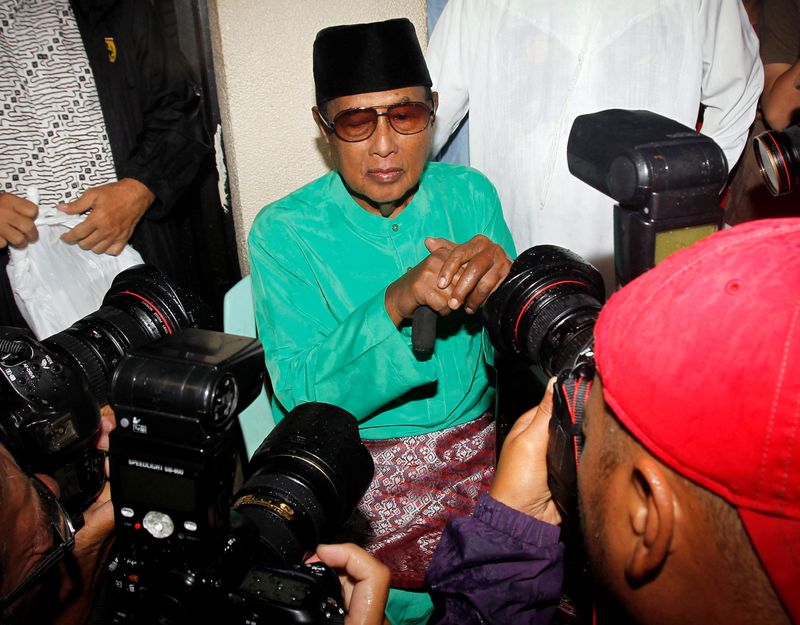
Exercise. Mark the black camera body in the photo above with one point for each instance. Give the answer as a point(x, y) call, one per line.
point(174, 450)
point(193, 548)
point(52, 390)
point(541, 322)
point(153, 584)
point(51, 418)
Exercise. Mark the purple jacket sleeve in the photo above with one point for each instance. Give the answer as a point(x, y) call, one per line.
point(498, 566)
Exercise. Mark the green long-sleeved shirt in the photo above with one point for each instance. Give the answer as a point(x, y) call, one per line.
point(320, 267)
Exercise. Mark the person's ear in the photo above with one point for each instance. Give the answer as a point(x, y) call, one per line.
point(323, 128)
point(435, 98)
point(652, 510)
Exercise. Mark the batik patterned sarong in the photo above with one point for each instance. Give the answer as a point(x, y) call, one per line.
point(420, 483)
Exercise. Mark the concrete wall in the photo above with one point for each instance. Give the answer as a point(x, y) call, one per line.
point(262, 57)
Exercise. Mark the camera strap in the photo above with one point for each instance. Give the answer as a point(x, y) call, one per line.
point(575, 389)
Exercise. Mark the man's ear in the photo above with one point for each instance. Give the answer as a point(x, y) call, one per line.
point(320, 124)
point(652, 512)
point(435, 98)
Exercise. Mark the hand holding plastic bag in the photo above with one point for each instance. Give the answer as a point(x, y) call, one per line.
point(55, 283)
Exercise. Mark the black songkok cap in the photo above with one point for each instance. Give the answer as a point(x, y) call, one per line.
point(362, 58)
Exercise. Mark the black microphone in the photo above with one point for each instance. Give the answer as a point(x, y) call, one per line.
point(423, 332)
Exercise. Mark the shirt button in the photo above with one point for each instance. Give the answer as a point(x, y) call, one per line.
point(395, 227)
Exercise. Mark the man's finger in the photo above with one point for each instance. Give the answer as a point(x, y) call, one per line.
point(79, 232)
point(113, 250)
point(95, 240)
point(474, 273)
point(438, 243)
point(546, 405)
point(18, 229)
point(12, 236)
point(368, 594)
point(26, 208)
point(28, 229)
point(467, 254)
point(537, 414)
point(76, 207)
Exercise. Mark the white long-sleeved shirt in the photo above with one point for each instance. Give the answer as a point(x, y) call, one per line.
point(525, 69)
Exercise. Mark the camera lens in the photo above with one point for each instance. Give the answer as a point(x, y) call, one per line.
point(545, 309)
point(307, 478)
point(778, 156)
point(141, 306)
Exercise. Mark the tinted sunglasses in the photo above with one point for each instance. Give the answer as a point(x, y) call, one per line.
point(406, 118)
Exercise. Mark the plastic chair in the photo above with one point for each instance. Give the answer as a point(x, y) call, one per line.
point(239, 318)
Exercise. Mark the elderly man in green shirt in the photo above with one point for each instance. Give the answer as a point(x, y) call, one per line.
point(341, 265)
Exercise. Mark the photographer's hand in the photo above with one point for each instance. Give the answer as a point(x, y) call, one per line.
point(92, 545)
point(17, 217)
point(365, 582)
point(475, 268)
point(520, 481)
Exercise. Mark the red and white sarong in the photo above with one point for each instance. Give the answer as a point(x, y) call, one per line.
point(420, 483)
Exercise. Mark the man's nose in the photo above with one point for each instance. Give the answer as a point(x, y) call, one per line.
point(384, 139)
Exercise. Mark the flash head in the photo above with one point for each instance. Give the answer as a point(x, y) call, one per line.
point(631, 155)
point(187, 385)
point(665, 177)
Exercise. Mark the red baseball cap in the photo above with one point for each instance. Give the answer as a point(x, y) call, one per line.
point(700, 360)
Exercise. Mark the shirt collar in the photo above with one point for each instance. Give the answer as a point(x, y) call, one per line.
point(370, 223)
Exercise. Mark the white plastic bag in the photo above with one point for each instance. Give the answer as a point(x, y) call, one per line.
point(55, 284)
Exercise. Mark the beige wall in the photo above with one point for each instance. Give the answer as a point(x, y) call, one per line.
point(262, 57)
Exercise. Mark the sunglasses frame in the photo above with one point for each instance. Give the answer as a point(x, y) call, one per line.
point(63, 530)
point(331, 125)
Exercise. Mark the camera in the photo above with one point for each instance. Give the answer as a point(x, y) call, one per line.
point(666, 179)
point(201, 536)
point(778, 157)
point(52, 390)
point(543, 315)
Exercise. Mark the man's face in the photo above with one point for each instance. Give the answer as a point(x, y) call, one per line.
point(599, 495)
point(26, 534)
point(386, 167)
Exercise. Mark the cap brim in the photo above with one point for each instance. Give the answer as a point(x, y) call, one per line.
point(777, 543)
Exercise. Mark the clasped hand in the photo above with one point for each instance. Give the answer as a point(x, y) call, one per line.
point(451, 277)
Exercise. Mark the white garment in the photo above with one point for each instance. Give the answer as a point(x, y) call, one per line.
point(525, 69)
point(51, 124)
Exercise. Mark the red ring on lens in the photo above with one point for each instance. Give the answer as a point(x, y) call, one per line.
point(788, 178)
point(537, 294)
point(153, 306)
